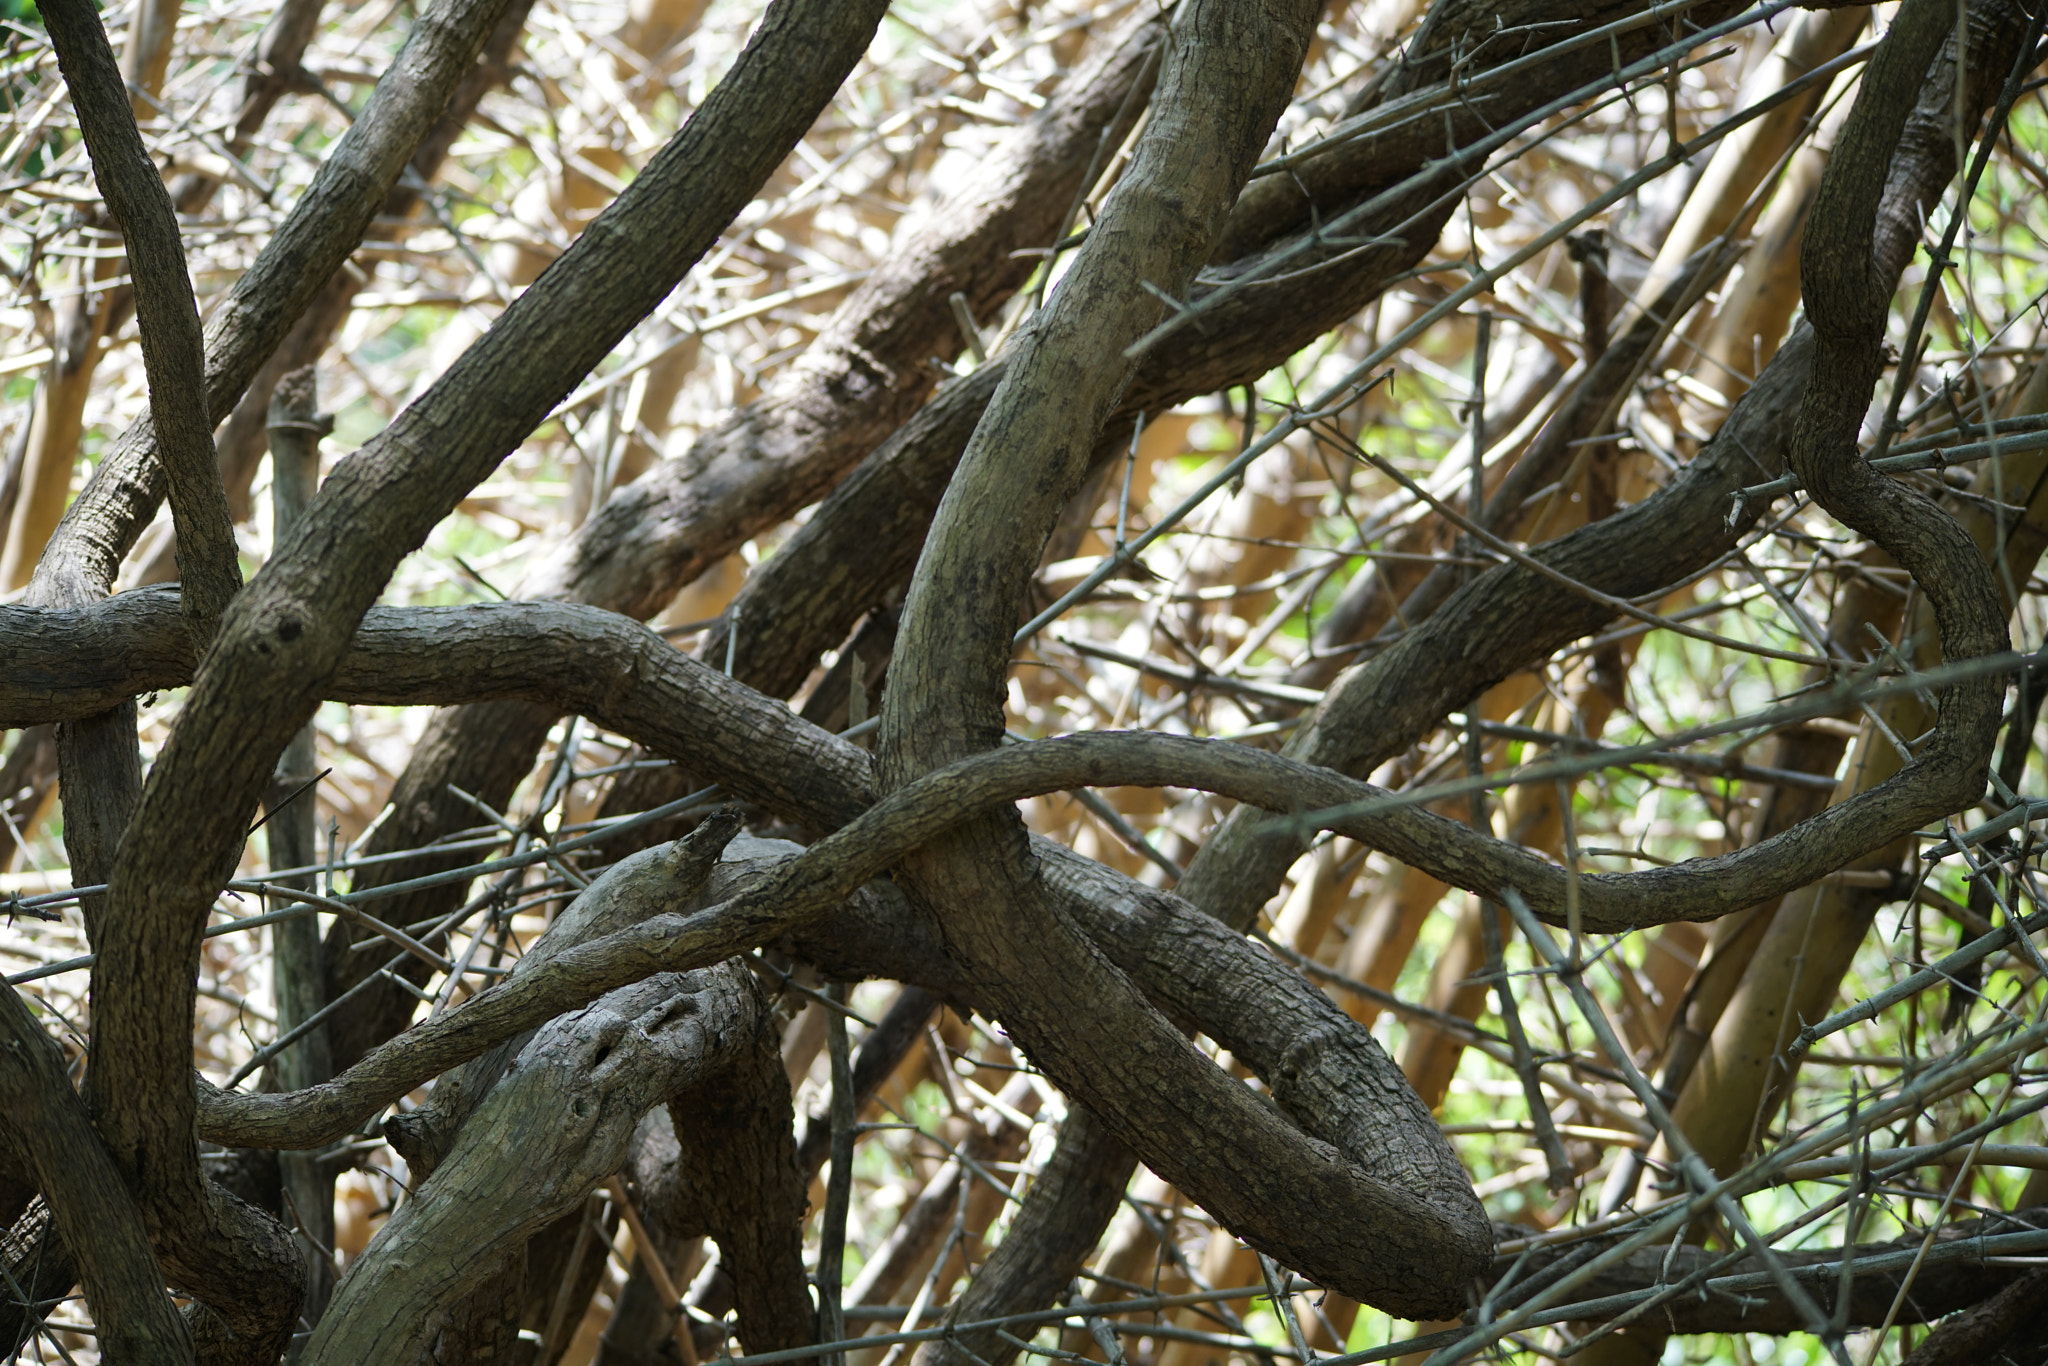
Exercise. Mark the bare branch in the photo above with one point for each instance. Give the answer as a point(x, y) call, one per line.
point(308, 247)
point(172, 350)
point(101, 1221)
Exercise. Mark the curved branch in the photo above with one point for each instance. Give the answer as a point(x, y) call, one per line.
point(564, 1117)
point(1847, 295)
point(869, 371)
point(1960, 1269)
point(632, 889)
point(288, 630)
point(864, 374)
point(1396, 1170)
point(628, 679)
point(1081, 1020)
point(1378, 708)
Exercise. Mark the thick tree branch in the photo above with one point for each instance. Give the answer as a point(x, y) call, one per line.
point(737, 1172)
point(288, 630)
point(43, 1119)
point(871, 368)
point(563, 1117)
point(862, 543)
point(1228, 77)
point(1960, 1271)
point(626, 678)
point(290, 626)
point(866, 373)
point(1847, 294)
point(1058, 949)
point(1321, 1067)
point(230, 1255)
point(640, 885)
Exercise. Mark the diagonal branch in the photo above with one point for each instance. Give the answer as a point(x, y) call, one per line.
point(623, 676)
point(1848, 293)
point(588, 1078)
point(173, 353)
point(102, 1225)
point(871, 368)
point(1381, 706)
point(866, 373)
point(288, 629)
point(1322, 1068)
point(295, 264)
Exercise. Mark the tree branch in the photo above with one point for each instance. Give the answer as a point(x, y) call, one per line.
point(314, 240)
point(1385, 704)
point(623, 676)
point(173, 353)
point(564, 1116)
point(868, 370)
point(45, 1121)
point(1848, 294)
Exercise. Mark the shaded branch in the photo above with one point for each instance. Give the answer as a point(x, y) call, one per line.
point(563, 1117)
point(643, 884)
point(626, 678)
point(1961, 1270)
point(43, 1119)
point(1381, 706)
point(736, 1176)
point(1848, 295)
point(867, 371)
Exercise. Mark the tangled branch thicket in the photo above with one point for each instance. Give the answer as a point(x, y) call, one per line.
point(1319, 683)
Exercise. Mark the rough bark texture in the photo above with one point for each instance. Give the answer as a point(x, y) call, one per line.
point(632, 890)
point(288, 628)
point(1227, 80)
point(1509, 617)
point(35, 1257)
point(172, 348)
point(2009, 1329)
point(862, 543)
point(736, 1178)
point(634, 998)
point(627, 678)
point(588, 1077)
point(1740, 1298)
point(854, 385)
point(302, 255)
point(867, 374)
point(101, 1223)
